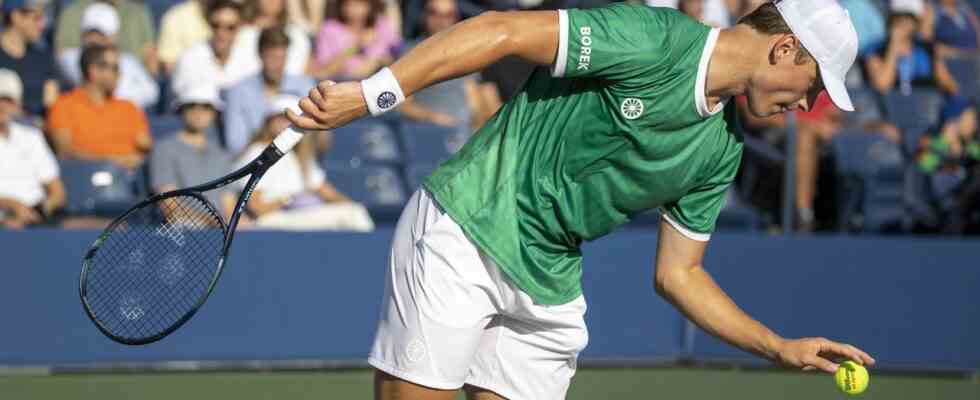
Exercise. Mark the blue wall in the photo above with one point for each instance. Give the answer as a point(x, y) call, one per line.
point(912, 303)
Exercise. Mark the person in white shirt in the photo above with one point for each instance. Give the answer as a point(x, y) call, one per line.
point(100, 25)
point(30, 190)
point(263, 14)
point(219, 59)
point(295, 194)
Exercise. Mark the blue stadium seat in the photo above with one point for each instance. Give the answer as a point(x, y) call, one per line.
point(428, 143)
point(98, 187)
point(867, 107)
point(368, 141)
point(966, 72)
point(914, 113)
point(379, 188)
point(416, 173)
point(871, 171)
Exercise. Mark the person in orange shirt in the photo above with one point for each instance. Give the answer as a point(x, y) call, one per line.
point(89, 123)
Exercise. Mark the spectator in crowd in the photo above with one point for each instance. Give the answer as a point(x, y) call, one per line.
point(717, 13)
point(307, 14)
point(262, 14)
point(136, 34)
point(23, 25)
point(957, 27)
point(814, 130)
point(188, 158)
point(181, 27)
point(90, 123)
point(249, 99)
point(356, 40)
point(950, 157)
point(444, 104)
point(216, 59)
point(100, 23)
point(902, 61)
point(294, 193)
point(30, 190)
point(693, 8)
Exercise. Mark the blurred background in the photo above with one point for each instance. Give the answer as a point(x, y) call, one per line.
point(857, 226)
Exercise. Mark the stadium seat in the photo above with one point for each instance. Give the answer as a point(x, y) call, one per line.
point(867, 107)
point(871, 172)
point(98, 188)
point(379, 188)
point(369, 141)
point(416, 173)
point(914, 113)
point(966, 72)
point(430, 144)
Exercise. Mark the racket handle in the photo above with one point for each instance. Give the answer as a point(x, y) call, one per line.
point(287, 139)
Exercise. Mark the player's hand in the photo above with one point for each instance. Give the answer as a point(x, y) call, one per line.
point(329, 105)
point(818, 353)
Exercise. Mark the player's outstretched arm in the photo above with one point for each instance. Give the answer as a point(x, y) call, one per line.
point(462, 49)
point(680, 278)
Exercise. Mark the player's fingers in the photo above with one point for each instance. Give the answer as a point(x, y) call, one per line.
point(844, 350)
point(820, 363)
point(302, 122)
point(311, 110)
point(317, 98)
point(323, 86)
point(863, 355)
point(809, 368)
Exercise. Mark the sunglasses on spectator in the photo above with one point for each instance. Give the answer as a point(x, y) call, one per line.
point(223, 27)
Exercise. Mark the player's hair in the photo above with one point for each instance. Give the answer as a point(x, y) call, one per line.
point(377, 10)
point(273, 37)
point(766, 20)
point(218, 5)
point(91, 55)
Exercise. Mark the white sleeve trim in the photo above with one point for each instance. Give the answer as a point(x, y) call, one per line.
point(701, 237)
point(558, 69)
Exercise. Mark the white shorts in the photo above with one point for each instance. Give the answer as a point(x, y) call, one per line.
point(450, 317)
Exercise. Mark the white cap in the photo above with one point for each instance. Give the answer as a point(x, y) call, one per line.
point(101, 17)
point(10, 86)
point(826, 31)
point(199, 94)
point(914, 7)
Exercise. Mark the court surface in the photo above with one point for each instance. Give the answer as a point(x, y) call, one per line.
point(657, 383)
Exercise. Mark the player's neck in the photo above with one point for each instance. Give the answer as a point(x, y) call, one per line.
point(734, 58)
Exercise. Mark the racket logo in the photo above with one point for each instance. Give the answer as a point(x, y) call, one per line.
point(386, 100)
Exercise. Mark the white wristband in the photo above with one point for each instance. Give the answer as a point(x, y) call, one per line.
point(382, 92)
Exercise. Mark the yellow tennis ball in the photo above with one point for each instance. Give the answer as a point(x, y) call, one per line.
point(851, 377)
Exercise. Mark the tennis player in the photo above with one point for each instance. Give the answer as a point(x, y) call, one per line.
point(629, 111)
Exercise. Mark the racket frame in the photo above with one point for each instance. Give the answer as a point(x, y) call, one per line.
point(256, 168)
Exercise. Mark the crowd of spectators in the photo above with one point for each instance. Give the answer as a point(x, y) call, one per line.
point(85, 79)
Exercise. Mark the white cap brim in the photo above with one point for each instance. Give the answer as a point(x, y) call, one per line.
point(836, 89)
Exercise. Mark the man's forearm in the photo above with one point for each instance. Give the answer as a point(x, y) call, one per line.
point(475, 44)
point(696, 294)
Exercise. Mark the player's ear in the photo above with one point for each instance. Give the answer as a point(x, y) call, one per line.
point(783, 48)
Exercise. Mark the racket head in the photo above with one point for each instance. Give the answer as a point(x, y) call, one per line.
point(153, 267)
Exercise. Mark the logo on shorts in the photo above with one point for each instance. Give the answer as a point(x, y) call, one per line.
point(386, 100)
point(415, 350)
point(631, 108)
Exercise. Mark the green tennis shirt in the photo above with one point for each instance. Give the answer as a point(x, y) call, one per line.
point(618, 126)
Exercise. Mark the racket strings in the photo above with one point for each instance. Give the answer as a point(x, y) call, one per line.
point(155, 266)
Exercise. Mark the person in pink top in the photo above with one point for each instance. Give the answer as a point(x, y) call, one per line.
point(356, 41)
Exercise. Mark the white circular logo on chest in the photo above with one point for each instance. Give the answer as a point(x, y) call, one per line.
point(631, 108)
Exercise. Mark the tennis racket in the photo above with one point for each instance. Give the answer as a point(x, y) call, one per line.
point(154, 266)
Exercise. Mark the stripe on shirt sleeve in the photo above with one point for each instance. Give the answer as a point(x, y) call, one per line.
point(558, 69)
point(701, 237)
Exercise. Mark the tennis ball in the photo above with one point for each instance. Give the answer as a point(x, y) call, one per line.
point(851, 377)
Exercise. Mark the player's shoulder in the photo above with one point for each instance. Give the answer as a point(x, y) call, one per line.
point(641, 12)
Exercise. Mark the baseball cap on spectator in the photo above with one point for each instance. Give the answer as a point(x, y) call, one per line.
point(102, 18)
point(11, 5)
point(914, 7)
point(826, 31)
point(200, 94)
point(10, 86)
